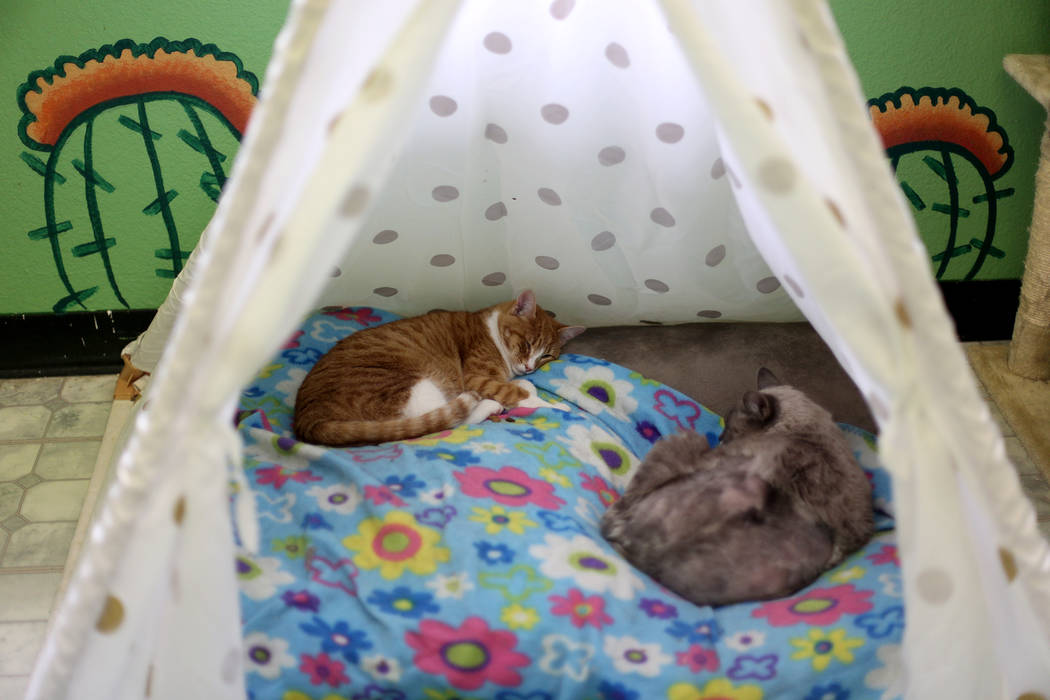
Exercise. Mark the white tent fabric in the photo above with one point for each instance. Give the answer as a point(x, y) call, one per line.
point(390, 133)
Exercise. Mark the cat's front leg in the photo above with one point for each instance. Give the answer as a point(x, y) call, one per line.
point(505, 394)
point(534, 400)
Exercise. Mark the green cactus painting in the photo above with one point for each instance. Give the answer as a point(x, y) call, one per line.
point(129, 135)
point(948, 154)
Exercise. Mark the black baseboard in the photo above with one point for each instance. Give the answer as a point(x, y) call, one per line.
point(982, 310)
point(89, 342)
point(37, 345)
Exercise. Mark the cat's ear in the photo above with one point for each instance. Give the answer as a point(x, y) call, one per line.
point(759, 406)
point(766, 379)
point(524, 305)
point(567, 333)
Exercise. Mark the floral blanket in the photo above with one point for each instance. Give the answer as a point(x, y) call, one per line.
point(468, 563)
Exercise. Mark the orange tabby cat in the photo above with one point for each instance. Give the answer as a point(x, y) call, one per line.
point(427, 373)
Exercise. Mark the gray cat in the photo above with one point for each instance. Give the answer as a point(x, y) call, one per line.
point(777, 503)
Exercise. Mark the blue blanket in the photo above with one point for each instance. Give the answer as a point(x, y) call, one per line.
point(468, 563)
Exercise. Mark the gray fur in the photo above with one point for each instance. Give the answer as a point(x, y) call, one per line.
point(777, 503)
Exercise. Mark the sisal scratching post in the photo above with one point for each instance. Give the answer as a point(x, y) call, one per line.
point(1030, 346)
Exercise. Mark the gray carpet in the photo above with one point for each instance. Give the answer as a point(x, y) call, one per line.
point(715, 363)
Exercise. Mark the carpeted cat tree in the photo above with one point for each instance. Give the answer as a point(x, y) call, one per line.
point(660, 161)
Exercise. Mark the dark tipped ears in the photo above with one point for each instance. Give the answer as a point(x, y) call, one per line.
point(766, 379)
point(760, 406)
point(567, 333)
point(525, 304)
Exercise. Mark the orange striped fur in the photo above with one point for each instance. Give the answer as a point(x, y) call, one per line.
point(424, 374)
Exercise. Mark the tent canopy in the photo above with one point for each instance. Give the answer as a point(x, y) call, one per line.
point(631, 161)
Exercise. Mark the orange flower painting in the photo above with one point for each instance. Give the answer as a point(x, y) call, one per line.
point(945, 133)
point(175, 110)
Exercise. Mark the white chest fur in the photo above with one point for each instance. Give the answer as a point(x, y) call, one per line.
point(492, 323)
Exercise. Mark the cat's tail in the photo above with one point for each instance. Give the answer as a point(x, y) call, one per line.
point(346, 433)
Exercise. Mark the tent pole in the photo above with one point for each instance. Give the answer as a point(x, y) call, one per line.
point(1030, 346)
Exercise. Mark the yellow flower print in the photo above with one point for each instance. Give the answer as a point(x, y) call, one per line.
point(518, 617)
point(554, 477)
point(716, 689)
point(543, 423)
point(498, 517)
point(456, 436)
point(822, 648)
point(395, 543)
point(267, 371)
point(847, 575)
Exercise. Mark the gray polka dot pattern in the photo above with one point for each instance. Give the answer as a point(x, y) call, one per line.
point(934, 585)
point(795, 286)
point(443, 105)
point(715, 255)
point(354, 202)
point(662, 216)
point(657, 286)
point(603, 241)
point(617, 55)
point(669, 132)
point(554, 113)
point(549, 196)
point(768, 285)
point(560, 9)
point(444, 193)
point(496, 211)
point(337, 272)
point(497, 42)
point(495, 133)
point(547, 262)
point(384, 291)
point(611, 155)
point(604, 204)
point(777, 175)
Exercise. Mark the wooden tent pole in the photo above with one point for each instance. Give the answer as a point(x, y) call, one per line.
point(1030, 346)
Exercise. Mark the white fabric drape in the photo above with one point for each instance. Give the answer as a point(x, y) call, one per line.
point(459, 151)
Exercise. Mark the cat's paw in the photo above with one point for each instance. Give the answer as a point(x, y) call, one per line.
point(483, 410)
point(533, 400)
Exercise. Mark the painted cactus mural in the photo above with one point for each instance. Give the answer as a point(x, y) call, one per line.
point(130, 135)
point(948, 154)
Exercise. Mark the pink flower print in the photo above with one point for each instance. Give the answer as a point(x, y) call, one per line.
point(599, 486)
point(819, 607)
point(278, 476)
point(323, 669)
point(509, 486)
point(361, 314)
point(382, 494)
point(886, 555)
point(698, 658)
point(293, 342)
point(583, 611)
point(683, 411)
point(468, 656)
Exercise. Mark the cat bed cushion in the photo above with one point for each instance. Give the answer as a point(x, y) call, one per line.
point(469, 564)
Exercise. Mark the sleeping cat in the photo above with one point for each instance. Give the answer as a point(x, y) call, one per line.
point(777, 503)
point(427, 373)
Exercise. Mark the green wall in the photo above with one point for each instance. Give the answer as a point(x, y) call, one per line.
point(119, 244)
point(958, 44)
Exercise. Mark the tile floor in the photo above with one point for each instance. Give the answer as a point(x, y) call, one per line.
point(51, 430)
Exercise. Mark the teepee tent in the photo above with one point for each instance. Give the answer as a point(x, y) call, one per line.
point(635, 161)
